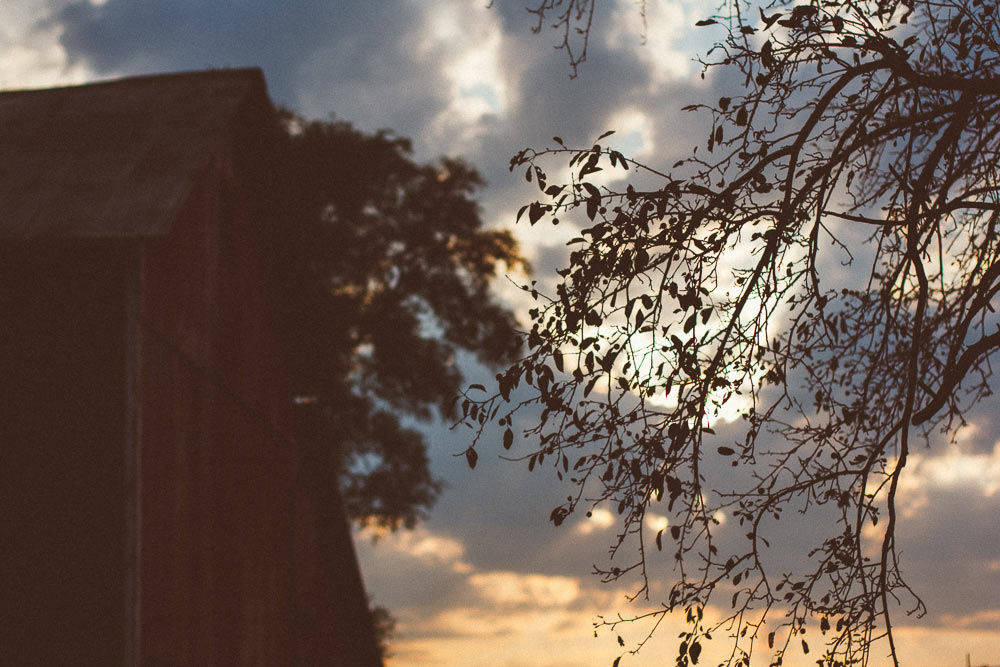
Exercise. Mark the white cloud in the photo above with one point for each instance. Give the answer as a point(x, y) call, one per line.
point(599, 519)
point(422, 545)
point(32, 54)
point(515, 588)
point(954, 468)
point(665, 42)
point(468, 47)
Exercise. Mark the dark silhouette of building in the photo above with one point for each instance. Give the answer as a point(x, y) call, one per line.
point(154, 509)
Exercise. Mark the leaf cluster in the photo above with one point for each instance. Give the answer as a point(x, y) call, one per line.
point(825, 271)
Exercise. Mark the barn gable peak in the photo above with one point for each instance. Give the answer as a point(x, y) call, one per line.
point(115, 159)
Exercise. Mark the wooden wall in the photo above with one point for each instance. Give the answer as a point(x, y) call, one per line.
point(243, 553)
point(62, 491)
point(154, 509)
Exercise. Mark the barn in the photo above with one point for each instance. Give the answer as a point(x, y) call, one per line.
point(155, 509)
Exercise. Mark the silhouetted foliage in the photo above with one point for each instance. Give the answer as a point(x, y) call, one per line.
point(824, 270)
point(384, 272)
point(384, 624)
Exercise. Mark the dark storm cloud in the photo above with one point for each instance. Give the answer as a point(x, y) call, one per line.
point(340, 51)
point(950, 552)
point(364, 63)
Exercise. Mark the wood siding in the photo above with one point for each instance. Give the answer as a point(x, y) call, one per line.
point(244, 556)
point(154, 508)
point(62, 500)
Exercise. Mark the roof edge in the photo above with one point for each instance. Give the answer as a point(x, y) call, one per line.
point(255, 72)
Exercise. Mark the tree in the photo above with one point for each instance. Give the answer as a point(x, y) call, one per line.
point(382, 274)
point(864, 136)
point(385, 625)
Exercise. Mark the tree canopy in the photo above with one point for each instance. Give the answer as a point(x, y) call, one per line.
point(823, 269)
point(382, 274)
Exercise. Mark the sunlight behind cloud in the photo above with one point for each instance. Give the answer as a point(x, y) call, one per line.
point(656, 522)
point(468, 45)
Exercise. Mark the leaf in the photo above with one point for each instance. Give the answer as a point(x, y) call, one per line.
point(705, 22)
point(726, 451)
point(508, 438)
point(477, 386)
point(641, 259)
point(770, 640)
point(471, 456)
point(768, 20)
point(591, 165)
point(695, 651)
point(804, 11)
point(766, 58)
point(805, 647)
point(540, 177)
point(659, 541)
point(535, 212)
point(592, 191)
point(606, 134)
point(617, 660)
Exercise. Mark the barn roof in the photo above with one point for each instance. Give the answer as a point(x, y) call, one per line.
point(114, 159)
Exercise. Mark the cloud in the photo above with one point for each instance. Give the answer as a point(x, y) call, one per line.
point(953, 466)
point(599, 519)
point(360, 60)
point(661, 37)
point(525, 590)
point(32, 53)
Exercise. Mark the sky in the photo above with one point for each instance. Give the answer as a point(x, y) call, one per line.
point(487, 579)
